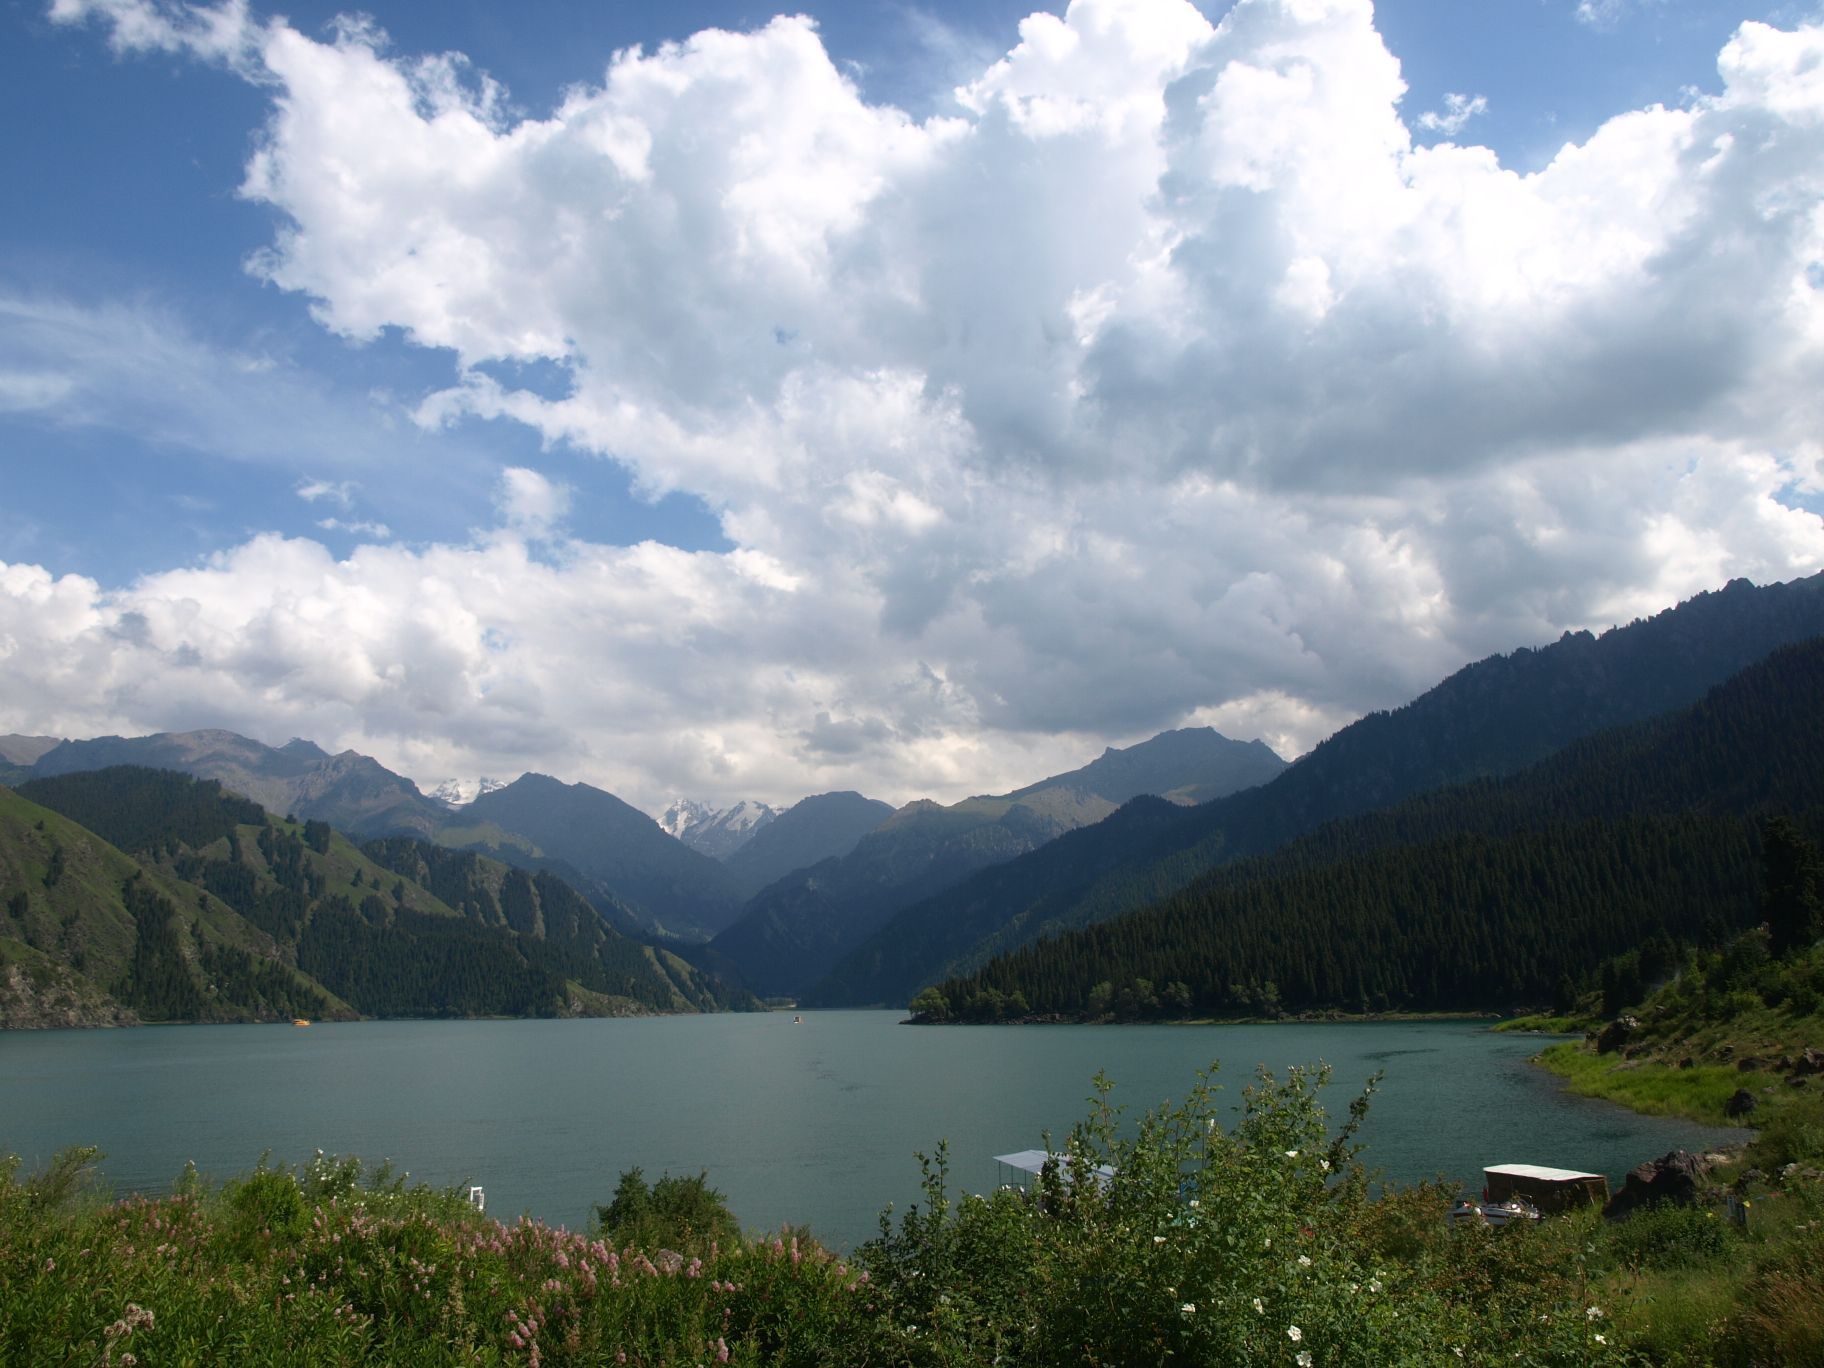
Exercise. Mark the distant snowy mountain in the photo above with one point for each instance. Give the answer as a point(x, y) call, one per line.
point(461, 792)
point(716, 832)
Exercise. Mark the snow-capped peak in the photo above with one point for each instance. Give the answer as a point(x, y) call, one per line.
point(460, 792)
point(717, 832)
point(683, 814)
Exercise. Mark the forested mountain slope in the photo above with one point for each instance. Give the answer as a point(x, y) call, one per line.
point(91, 936)
point(619, 858)
point(1491, 718)
point(822, 827)
point(1480, 896)
point(792, 932)
point(351, 930)
point(669, 886)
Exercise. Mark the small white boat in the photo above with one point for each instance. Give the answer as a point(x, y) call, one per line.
point(1512, 1210)
point(1466, 1212)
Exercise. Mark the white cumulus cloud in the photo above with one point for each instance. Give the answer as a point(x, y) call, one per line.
point(529, 502)
point(1169, 379)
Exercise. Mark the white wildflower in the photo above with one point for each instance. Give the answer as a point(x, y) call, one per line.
point(1189, 1308)
point(1294, 1334)
point(1304, 1261)
point(1303, 1358)
point(1259, 1306)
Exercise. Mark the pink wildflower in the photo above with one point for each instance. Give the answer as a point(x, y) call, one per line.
point(721, 1350)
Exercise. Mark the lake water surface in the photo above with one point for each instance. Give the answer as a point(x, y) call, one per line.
point(814, 1123)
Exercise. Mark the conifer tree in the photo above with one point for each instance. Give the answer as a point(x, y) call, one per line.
point(1795, 885)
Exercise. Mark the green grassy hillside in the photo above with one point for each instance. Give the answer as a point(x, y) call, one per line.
point(139, 940)
point(171, 899)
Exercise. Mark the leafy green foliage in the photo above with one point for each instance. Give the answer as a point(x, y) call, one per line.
point(1179, 1241)
point(683, 1213)
point(1669, 1236)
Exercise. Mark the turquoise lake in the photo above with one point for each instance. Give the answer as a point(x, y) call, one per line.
point(814, 1123)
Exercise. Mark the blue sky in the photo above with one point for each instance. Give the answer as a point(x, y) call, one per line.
point(858, 457)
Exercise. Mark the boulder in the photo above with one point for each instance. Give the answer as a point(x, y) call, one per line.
point(1741, 1104)
point(1811, 1062)
point(1671, 1178)
point(1616, 1034)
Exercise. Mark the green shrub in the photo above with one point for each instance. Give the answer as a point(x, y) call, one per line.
point(685, 1214)
point(1792, 1135)
point(270, 1201)
point(1668, 1236)
point(1180, 1241)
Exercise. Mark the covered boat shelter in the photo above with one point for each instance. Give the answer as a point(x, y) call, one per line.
point(1023, 1167)
point(1549, 1189)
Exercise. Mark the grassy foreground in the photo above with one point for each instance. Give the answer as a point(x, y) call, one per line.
point(1259, 1245)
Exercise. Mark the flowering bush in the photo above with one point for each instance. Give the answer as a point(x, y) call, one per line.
point(1185, 1242)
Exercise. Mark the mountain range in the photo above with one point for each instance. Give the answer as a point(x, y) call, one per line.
point(642, 878)
point(1479, 896)
point(1491, 718)
point(822, 827)
point(839, 900)
point(796, 929)
point(350, 791)
point(141, 894)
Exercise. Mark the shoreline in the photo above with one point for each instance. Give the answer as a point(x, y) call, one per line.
point(1296, 1019)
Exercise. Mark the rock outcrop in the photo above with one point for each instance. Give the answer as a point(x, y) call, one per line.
point(37, 997)
point(1671, 1178)
point(1616, 1034)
